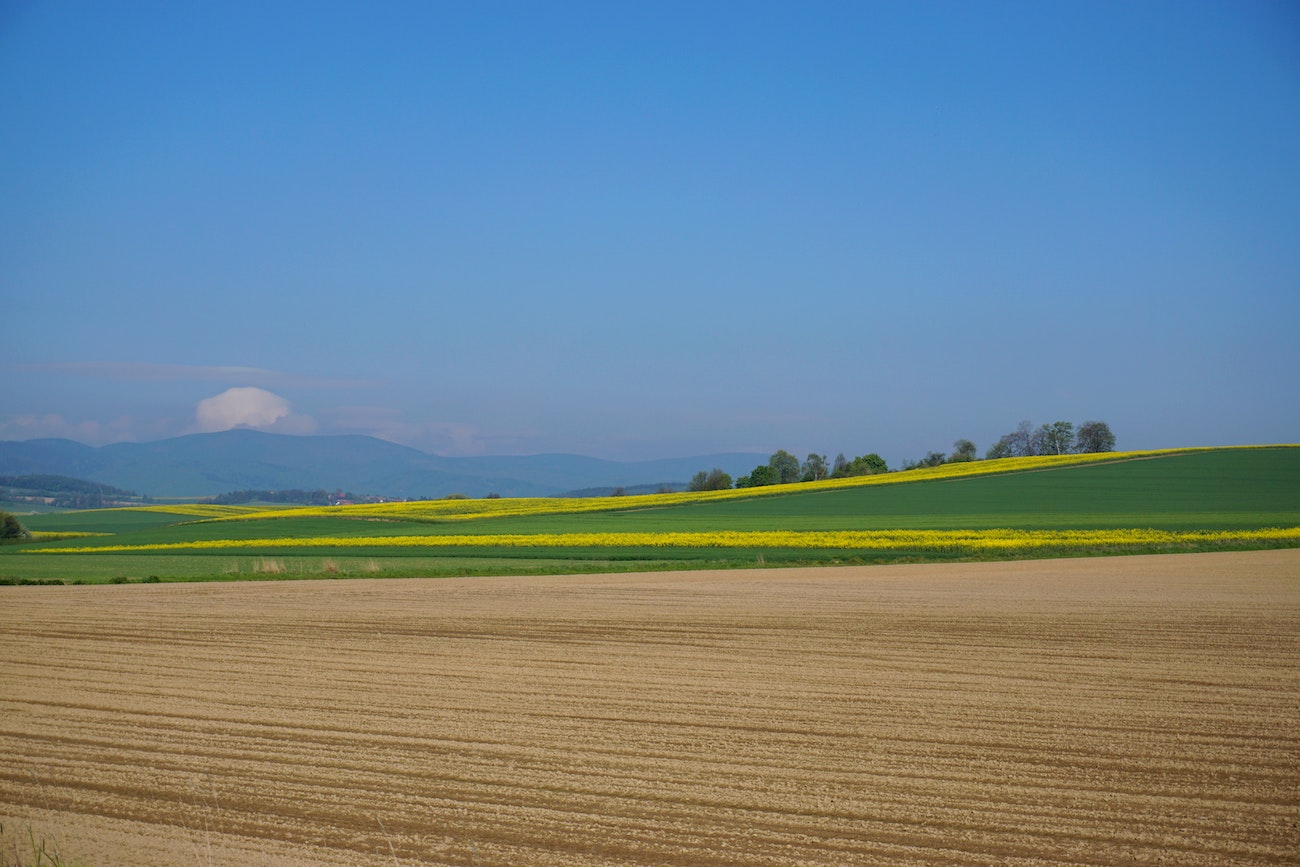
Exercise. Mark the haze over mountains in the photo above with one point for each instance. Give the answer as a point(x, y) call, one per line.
point(202, 465)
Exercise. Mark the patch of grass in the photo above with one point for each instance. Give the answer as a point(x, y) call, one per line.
point(32, 852)
point(101, 521)
point(100, 568)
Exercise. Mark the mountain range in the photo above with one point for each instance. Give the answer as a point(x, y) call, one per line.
point(203, 465)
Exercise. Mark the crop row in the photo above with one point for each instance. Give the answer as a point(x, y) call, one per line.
point(929, 540)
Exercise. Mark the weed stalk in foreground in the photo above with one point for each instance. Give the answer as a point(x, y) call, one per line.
point(41, 854)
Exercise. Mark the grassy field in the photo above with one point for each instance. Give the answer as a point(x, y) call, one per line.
point(1192, 500)
point(1103, 711)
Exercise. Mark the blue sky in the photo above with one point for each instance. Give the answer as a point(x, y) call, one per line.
point(640, 230)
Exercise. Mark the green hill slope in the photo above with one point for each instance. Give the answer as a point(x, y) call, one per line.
point(1210, 490)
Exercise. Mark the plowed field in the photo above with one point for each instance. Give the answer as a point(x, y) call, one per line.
point(1094, 711)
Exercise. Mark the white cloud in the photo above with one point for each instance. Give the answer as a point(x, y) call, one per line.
point(250, 407)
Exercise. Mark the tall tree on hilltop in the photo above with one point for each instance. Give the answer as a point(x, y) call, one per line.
point(1017, 444)
point(815, 469)
point(786, 467)
point(714, 480)
point(1056, 438)
point(962, 450)
point(1094, 436)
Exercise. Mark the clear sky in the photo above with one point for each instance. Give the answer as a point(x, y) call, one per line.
point(641, 230)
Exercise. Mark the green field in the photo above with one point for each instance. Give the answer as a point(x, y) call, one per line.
point(1231, 492)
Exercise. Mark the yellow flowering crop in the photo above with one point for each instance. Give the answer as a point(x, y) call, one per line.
point(973, 541)
point(191, 510)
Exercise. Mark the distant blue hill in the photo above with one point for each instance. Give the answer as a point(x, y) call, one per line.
point(203, 465)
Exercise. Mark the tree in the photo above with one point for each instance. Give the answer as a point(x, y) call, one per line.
point(11, 530)
point(786, 467)
point(1017, 444)
point(932, 459)
point(841, 466)
point(868, 465)
point(714, 480)
point(1022, 440)
point(862, 465)
point(962, 450)
point(1056, 438)
point(1000, 449)
point(1094, 436)
point(815, 469)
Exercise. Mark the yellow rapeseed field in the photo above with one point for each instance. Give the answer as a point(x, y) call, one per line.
point(192, 510)
point(974, 541)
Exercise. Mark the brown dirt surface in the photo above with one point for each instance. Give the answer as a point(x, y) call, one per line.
point(1114, 710)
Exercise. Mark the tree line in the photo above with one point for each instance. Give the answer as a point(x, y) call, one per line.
point(295, 496)
point(783, 468)
point(1057, 438)
point(64, 492)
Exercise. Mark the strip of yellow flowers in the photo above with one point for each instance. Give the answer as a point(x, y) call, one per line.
point(192, 510)
point(928, 540)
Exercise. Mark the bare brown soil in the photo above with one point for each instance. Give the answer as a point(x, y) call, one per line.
point(1098, 711)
